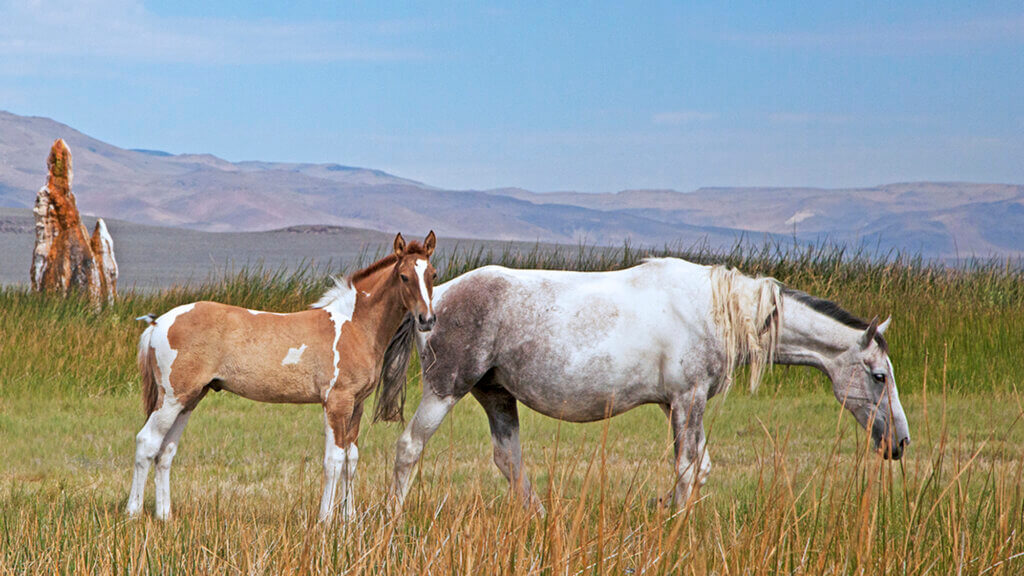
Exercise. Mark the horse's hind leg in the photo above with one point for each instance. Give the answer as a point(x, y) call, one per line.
point(429, 415)
point(503, 417)
point(147, 445)
point(692, 461)
point(163, 465)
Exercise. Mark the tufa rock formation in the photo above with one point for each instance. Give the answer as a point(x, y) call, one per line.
point(65, 258)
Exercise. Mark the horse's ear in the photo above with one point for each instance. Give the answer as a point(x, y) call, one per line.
point(869, 333)
point(885, 325)
point(399, 245)
point(430, 243)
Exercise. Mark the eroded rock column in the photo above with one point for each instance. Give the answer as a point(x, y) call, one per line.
point(65, 259)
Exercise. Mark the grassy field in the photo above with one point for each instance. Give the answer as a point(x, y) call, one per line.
point(794, 489)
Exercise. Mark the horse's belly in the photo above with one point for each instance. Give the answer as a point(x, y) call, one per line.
point(274, 382)
point(577, 398)
point(293, 392)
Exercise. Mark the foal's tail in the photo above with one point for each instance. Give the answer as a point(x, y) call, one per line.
point(150, 390)
point(391, 384)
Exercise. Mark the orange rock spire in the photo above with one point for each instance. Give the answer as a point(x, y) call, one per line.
point(64, 258)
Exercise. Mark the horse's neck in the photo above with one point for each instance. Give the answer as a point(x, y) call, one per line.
point(380, 310)
point(809, 338)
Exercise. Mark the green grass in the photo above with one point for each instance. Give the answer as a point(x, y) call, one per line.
point(793, 488)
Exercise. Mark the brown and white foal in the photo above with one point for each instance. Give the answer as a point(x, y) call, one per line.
point(334, 354)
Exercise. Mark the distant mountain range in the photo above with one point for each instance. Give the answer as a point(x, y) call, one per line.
point(203, 192)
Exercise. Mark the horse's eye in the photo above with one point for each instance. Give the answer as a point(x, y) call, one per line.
point(435, 275)
point(879, 377)
point(404, 277)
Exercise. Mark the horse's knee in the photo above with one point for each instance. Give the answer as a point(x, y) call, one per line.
point(407, 450)
point(147, 446)
point(166, 456)
point(334, 458)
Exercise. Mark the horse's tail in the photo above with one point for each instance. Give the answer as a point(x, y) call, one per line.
point(391, 384)
point(150, 390)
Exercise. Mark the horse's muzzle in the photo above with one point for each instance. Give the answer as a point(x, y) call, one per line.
point(895, 451)
point(425, 322)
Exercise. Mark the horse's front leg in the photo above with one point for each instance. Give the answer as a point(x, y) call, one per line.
point(341, 455)
point(429, 415)
point(692, 462)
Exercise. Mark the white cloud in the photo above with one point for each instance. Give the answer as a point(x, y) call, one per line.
point(124, 30)
point(681, 117)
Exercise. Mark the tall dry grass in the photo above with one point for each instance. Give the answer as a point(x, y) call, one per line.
point(955, 507)
point(974, 311)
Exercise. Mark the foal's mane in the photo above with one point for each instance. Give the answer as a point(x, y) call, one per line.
point(413, 247)
point(835, 312)
point(342, 286)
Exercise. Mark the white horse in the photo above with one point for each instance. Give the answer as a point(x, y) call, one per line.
point(582, 347)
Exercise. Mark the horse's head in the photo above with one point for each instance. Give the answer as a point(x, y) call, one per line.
point(415, 277)
point(864, 382)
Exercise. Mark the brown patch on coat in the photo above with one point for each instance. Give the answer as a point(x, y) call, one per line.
point(243, 352)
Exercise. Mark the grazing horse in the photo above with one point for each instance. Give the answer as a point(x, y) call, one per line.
point(582, 347)
point(334, 354)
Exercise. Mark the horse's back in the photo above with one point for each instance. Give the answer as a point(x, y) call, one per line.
point(569, 344)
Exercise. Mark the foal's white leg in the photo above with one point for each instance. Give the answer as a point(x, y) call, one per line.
point(147, 445)
point(163, 466)
point(424, 423)
point(334, 464)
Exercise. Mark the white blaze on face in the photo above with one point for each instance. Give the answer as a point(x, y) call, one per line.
point(421, 269)
point(293, 356)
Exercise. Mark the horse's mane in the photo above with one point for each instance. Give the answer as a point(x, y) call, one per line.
point(751, 338)
point(835, 312)
point(413, 247)
point(343, 286)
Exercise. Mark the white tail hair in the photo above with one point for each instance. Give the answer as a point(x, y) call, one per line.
point(748, 313)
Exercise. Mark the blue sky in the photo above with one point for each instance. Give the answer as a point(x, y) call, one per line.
point(547, 96)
